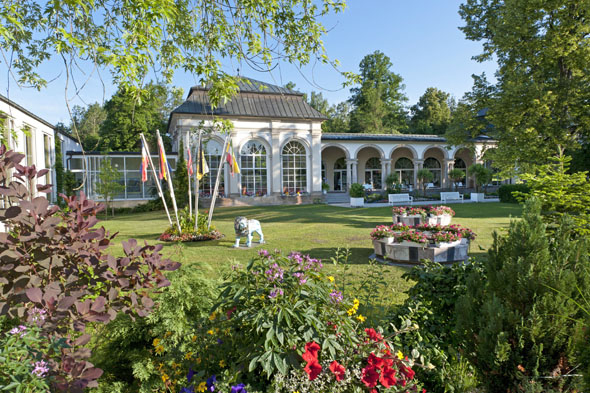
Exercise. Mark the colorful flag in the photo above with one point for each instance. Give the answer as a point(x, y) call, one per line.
point(189, 162)
point(164, 166)
point(144, 163)
point(231, 159)
point(202, 167)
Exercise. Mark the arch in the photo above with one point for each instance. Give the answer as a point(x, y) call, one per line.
point(444, 152)
point(262, 141)
point(340, 163)
point(435, 167)
point(369, 145)
point(403, 163)
point(339, 146)
point(404, 146)
point(302, 141)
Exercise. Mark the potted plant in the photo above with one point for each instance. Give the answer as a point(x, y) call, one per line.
point(444, 239)
point(413, 239)
point(456, 175)
point(424, 176)
point(482, 176)
point(440, 215)
point(325, 188)
point(357, 195)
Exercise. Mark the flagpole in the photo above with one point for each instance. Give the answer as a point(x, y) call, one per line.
point(160, 193)
point(217, 181)
point(190, 197)
point(197, 182)
point(170, 186)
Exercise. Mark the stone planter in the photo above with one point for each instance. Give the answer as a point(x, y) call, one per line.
point(445, 244)
point(444, 220)
point(416, 219)
point(477, 196)
point(408, 243)
point(357, 202)
point(408, 253)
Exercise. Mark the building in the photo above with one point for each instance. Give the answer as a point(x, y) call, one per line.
point(282, 152)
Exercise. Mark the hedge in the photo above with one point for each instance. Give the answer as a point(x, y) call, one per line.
point(505, 192)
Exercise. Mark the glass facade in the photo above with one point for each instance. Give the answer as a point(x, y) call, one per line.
point(253, 160)
point(404, 168)
point(212, 156)
point(294, 168)
point(434, 166)
point(373, 173)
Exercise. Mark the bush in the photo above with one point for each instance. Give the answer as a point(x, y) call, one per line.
point(375, 197)
point(517, 320)
point(55, 261)
point(356, 191)
point(506, 192)
point(482, 175)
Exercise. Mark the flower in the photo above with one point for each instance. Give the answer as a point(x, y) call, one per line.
point(361, 318)
point(336, 296)
point(159, 349)
point(202, 387)
point(18, 330)
point(210, 331)
point(190, 375)
point(373, 335)
point(370, 376)
point(311, 351)
point(222, 363)
point(40, 369)
point(387, 377)
point(330, 278)
point(338, 370)
point(156, 342)
point(400, 355)
point(275, 292)
point(240, 388)
point(213, 316)
point(211, 383)
point(165, 377)
point(313, 369)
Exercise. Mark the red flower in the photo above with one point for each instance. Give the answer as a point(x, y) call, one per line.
point(407, 372)
point(387, 378)
point(338, 370)
point(311, 352)
point(373, 335)
point(370, 377)
point(313, 369)
point(378, 362)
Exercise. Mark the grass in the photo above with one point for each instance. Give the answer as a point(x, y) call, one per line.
point(317, 230)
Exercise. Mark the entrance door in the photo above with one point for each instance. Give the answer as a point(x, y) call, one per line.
point(340, 180)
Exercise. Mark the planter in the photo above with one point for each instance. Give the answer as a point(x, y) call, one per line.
point(416, 219)
point(478, 196)
point(379, 247)
point(444, 220)
point(408, 243)
point(410, 252)
point(445, 244)
point(357, 202)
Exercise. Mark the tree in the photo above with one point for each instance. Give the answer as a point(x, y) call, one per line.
point(432, 113)
point(482, 175)
point(378, 102)
point(424, 176)
point(126, 118)
point(180, 180)
point(517, 318)
point(339, 118)
point(539, 103)
point(456, 175)
point(108, 186)
point(87, 123)
point(133, 40)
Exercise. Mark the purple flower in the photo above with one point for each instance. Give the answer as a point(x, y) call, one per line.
point(240, 388)
point(190, 389)
point(40, 369)
point(301, 276)
point(37, 315)
point(275, 292)
point(190, 375)
point(263, 253)
point(336, 296)
point(219, 341)
point(274, 273)
point(18, 330)
point(211, 383)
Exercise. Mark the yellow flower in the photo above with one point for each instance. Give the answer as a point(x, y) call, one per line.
point(210, 331)
point(216, 330)
point(330, 278)
point(168, 334)
point(156, 342)
point(213, 316)
point(198, 360)
point(165, 377)
point(194, 338)
point(361, 318)
point(356, 302)
point(400, 355)
point(202, 387)
point(159, 349)
point(222, 363)
point(174, 365)
point(351, 311)
point(188, 355)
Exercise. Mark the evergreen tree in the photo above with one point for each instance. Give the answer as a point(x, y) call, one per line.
point(432, 113)
point(517, 319)
point(180, 180)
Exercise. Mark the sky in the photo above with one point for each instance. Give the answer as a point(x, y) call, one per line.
point(421, 37)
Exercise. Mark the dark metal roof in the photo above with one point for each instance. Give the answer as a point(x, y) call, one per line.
point(29, 113)
point(254, 99)
point(113, 153)
point(383, 137)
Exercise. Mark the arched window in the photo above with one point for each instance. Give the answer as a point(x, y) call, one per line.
point(460, 164)
point(294, 168)
point(434, 166)
point(340, 179)
point(212, 156)
point(404, 168)
point(373, 172)
point(253, 168)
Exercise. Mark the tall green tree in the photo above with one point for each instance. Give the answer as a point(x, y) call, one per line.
point(378, 101)
point(135, 39)
point(126, 118)
point(539, 105)
point(339, 118)
point(432, 112)
point(108, 186)
point(87, 122)
point(180, 180)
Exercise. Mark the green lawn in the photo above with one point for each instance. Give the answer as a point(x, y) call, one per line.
point(318, 230)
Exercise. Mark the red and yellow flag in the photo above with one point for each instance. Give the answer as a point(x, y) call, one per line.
point(231, 159)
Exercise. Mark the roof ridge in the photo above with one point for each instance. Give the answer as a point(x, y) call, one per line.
point(254, 87)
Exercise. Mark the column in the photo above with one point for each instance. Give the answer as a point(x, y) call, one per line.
point(348, 174)
point(385, 170)
point(447, 166)
point(355, 171)
point(316, 158)
point(417, 166)
point(274, 158)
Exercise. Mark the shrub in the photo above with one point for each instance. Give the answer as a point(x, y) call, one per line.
point(517, 320)
point(55, 260)
point(506, 192)
point(375, 197)
point(356, 191)
point(424, 176)
point(482, 175)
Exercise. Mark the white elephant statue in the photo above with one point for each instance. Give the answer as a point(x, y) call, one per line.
point(245, 227)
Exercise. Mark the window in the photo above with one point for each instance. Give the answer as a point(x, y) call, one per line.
point(373, 172)
point(340, 176)
point(5, 130)
point(434, 166)
point(28, 133)
point(404, 168)
point(213, 157)
point(460, 164)
point(294, 168)
point(47, 153)
point(253, 168)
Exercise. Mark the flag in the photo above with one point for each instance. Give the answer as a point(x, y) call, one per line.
point(189, 162)
point(202, 167)
point(231, 159)
point(164, 166)
point(144, 163)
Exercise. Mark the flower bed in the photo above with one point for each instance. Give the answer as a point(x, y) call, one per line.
point(188, 232)
point(432, 215)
